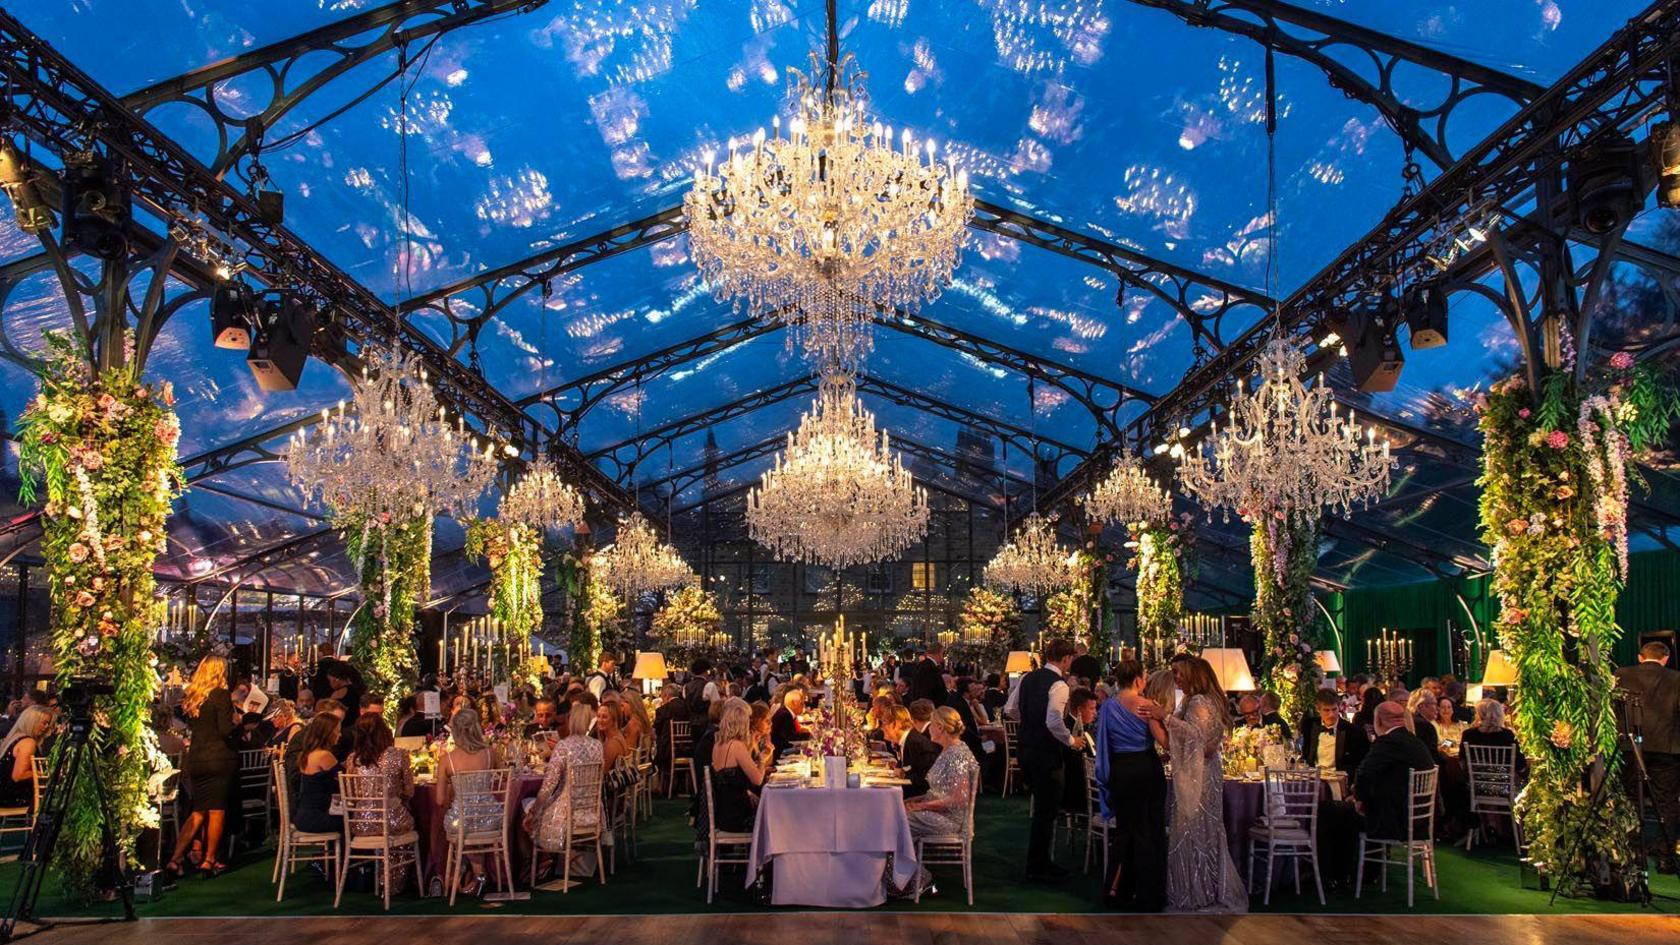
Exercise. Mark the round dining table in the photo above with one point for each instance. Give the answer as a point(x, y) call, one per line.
point(434, 840)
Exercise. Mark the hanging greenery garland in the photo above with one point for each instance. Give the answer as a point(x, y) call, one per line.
point(105, 445)
point(602, 625)
point(1556, 465)
point(686, 627)
point(514, 553)
point(1284, 549)
point(393, 561)
point(990, 626)
point(1159, 563)
point(1067, 612)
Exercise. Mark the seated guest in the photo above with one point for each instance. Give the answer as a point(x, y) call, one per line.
point(292, 755)
point(547, 815)
point(1269, 715)
point(17, 756)
point(375, 754)
point(784, 721)
point(879, 708)
point(638, 725)
point(545, 718)
point(942, 809)
point(918, 750)
point(1365, 716)
point(468, 752)
point(997, 695)
point(1081, 721)
point(317, 776)
point(671, 708)
point(1447, 725)
point(406, 710)
point(736, 775)
point(759, 735)
point(169, 740)
point(1384, 782)
point(1328, 741)
point(1489, 727)
point(1420, 707)
point(283, 721)
point(609, 731)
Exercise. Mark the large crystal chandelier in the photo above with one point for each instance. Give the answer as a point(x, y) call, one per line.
point(1128, 495)
point(391, 452)
point(1032, 561)
point(832, 222)
point(542, 500)
point(638, 563)
point(1287, 448)
point(838, 495)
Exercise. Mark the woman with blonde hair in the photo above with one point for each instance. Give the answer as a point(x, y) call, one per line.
point(469, 752)
point(210, 763)
point(638, 725)
point(952, 781)
point(17, 756)
point(736, 775)
point(545, 819)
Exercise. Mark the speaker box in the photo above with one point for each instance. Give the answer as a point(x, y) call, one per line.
point(1374, 352)
point(233, 313)
point(1426, 316)
point(281, 346)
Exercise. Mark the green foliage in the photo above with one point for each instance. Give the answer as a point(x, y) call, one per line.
point(603, 625)
point(990, 626)
point(514, 553)
point(393, 560)
point(1159, 563)
point(1284, 549)
point(104, 444)
point(687, 626)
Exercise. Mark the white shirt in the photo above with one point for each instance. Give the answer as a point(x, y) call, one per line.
point(710, 693)
point(596, 684)
point(1055, 706)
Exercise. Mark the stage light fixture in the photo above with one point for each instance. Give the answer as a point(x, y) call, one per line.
point(95, 207)
point(33, 214)
point(1425, 310)
point(280, 347)
point(1374, 353)
point(1604, 184)
point(1665, 152)
point(233, 314)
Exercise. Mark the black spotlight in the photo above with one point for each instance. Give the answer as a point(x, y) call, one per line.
point(1425, 311)
point(1604, 184)
point(233, 313)
point(285, 328)
point(96, 212)
point(1665, 152)
point(1374, 352)
point(33, 214)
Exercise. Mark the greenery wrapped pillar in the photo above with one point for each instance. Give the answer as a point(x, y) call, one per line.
point(393, 560)
point(1159, 563)
point(1284, 549)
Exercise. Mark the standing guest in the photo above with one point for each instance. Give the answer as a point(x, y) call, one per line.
point(604, 677)
point(671, 709)
point(784, 721)
point(1654, 689)
point(1201, 876)
point(1085, 666)
point(211, 763)
point(1329, 741)
point(469, 751)
point(927, 681)
point(1040, 702)
point(318, 776)
point(375, 754)
point(342, 684)
point(1134, 792)
point(17, 756)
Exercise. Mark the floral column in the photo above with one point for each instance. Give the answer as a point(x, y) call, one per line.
point(104, 442)
point(1159, 563)
point(1284, 549)
point(393, 558)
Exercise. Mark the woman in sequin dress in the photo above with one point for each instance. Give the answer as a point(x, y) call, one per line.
point(943, 810)
point(1201, 876)
point(375, 753)
point(545, 819)
point(468, 752)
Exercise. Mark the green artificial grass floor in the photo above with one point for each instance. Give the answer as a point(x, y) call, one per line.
point(661, 881)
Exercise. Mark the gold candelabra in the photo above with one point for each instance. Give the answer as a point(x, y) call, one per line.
point(1390, 655)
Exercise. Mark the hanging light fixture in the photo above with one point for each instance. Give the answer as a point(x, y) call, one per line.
point(1287, 448)
point(390, 452)
point(1032, 561)
point(838, 495)
point(1128, 495)
point(638, 563)
point(830, 222)
point(542, 500)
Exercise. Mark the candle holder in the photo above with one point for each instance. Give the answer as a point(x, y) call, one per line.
point(1390, 656)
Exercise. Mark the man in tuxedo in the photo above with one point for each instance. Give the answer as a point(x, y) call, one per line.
point(1040, 702)
point(1329, 741)
point(784, 722)
point(918, 749)
point(1085, 666)
point(604, 677)
point(671, 709)
point(1384, 778)
point(997, 694)
point(1081, 725)
point(928, 679)
point(1652, 711)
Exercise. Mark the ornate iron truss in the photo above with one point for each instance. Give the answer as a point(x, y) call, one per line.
point(60, 108)
point(1329, 44)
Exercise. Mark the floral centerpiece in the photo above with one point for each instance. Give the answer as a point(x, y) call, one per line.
point(989, 627)
point(1248, 751)
point(1557, 464)
point(104, 442)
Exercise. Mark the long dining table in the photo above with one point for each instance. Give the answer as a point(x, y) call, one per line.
point(830, 846)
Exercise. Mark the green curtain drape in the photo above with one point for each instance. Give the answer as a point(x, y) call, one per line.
point(1434, 611)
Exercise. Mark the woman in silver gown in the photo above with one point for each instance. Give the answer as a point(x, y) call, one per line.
point(943, 810)
point(1201, 876)
point(375, 754)
point(546, 818)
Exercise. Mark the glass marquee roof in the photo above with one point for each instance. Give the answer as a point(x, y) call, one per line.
point(1113, 119)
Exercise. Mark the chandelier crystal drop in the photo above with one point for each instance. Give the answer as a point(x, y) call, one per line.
point(826, 225)
point(638, 563)
point(1287, 448)
point(837, 496)
point(391, 452)
point(1128, 495)
point(542, 500)
point(1032, 561)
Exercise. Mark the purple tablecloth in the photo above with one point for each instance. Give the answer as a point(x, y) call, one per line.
point(434, 841)
point(829, 846)
point(1245, 804)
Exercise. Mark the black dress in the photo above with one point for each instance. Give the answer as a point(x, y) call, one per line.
point(15, 793)
point(314, 803)
point(211, 762)
point(732, 801)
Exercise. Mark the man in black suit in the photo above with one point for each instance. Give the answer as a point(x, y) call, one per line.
point(971, 728)
point(1328, 740)
point(1040, 702)
point(1384, 779)
point(917, 749)
point(784, 722)
point(928, 679)
point(997, 694)
point(1653, 711)
point(1085, 666)
point(672, 708)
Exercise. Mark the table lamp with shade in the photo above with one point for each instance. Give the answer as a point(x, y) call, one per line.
point(1019, 661)
point(1328, 663)
point(650, 667)
point(1231, 667)
point(1499, 670)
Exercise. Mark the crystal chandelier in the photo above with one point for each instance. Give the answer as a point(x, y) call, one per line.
point(1287, 448)
point(542, 500)
point(825, 226)
point(1128, 495)
point(638, 562)
point(838, 495)
point(1032, 561)
point(390, 452)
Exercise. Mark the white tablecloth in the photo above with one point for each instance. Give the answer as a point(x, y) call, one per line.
point(829, 846)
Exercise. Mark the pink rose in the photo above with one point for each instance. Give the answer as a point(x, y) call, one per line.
point(1523, 413)
point(92, 460)
point(1621, 360)
point(106, 401)
point(78, 552)
point(1557, 440)
point(84, 599)
point(1517, 526)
